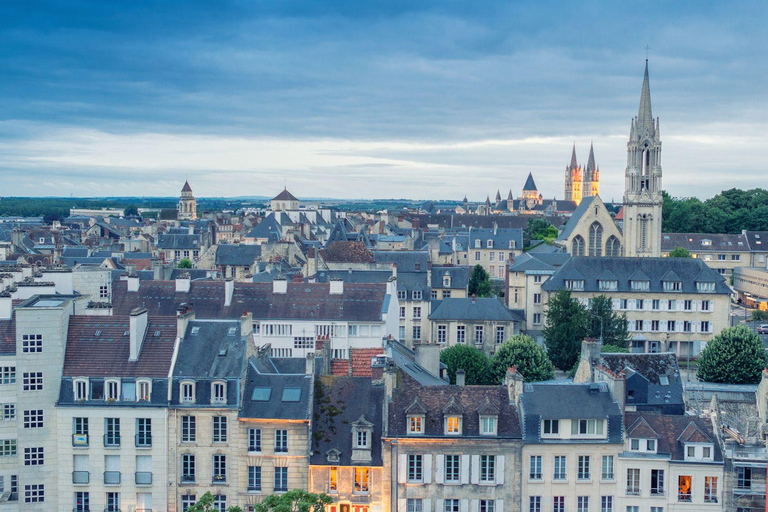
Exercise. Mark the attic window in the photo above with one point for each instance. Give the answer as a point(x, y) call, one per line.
point(417, 266)
point(231, 331)
point(97, 333)
point(291, 395)
point(157, 334)
point(640, 285)
point(261, 394)
point(672, 286)
point(222, 352)
point(705, 287)
point(195, 330)
point(664, 380)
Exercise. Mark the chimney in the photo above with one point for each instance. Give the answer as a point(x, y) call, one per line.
point(6, 306)
point(229, 290)
point(246, 323)
point(337, 286)
point(133, 283)
point(762, 396)
point(183, 317)
point(280, 285)
point(461, 378)
point(191, 230)
point(310, 364)
point(590, 354)
point(428, 357)
point(183, 283)
point(138, 328)
point(514, 382)
point(473, 298)
point(495, 228)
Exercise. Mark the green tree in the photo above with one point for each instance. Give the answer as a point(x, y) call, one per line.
point(131, 209)
point(759, 316)
point(565, 329)
point(473, 361)
point(615, 329)
point(522, 351)
point(185, 263)
point(613, 349)
point(538, 228)
point(735, 356)
point(205, 504)
point(295, 501)
point(479, 282)
point(679, 252)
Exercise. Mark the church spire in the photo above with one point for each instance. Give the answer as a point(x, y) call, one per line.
point(574, 164)
point(591, 161)
point(644, 115)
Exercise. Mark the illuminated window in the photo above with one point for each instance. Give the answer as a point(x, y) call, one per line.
point(453, 425)
point(362, 480)
point(416, 424)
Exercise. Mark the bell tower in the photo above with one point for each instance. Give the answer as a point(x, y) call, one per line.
point(642, 187)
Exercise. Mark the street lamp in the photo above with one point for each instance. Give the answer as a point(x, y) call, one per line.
point(601, 325)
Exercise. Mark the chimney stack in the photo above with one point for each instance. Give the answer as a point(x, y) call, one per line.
point(138, 328)
point(514, 382)
point(461, 378)
point(337, 286)
point(183, 317)
point(229, 290)
point(246, 323)
point(280, 285)
point(133, 283)
point(183, 283)
point(6, 306)
point(428, 357)
point(310, 364)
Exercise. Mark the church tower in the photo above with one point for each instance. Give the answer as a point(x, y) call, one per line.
point(187, 204)
point(591, 176)
point(573, 180)
point(642, 188)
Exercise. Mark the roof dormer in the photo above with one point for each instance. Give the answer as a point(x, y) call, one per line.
point(362, 440)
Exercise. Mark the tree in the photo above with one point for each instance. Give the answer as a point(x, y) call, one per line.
point(131, 209)
point(615, 329)
point(531, 360)
point(473, 361)
point(613, 349)
point(295, 501)
point(735, 356)
point(759, 316)
point(205, 504)
point(479, 282)
point(185, 263)
point(565, 329)
point(679, 252)
point(538, 228)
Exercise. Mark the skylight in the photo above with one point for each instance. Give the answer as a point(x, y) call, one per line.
point(291, 394)
point(261, 394)
point(664, 380)
point(195, 330)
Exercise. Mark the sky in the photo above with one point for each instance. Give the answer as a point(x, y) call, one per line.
point(374, 99)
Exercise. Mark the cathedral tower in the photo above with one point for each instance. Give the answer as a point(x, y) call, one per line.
point(591, 176)
point(573, 180)
point(642, 188)
point(187, 204)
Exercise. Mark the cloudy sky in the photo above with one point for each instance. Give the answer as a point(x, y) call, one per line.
point(374, 98)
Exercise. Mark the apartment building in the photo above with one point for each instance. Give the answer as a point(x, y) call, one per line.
point(484, 323)
point(722, 252)
point(492, 248)
point(449, 282)
point(671, 304)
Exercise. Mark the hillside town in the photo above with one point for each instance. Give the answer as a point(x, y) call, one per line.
point(146, 360)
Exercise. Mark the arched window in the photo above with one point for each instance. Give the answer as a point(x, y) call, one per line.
point(644, 232)
point(595, 239)
point(612, 247)
point(578, 246)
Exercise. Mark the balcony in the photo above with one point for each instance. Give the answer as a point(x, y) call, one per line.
point(219, 479)
point(80, 440)
point(143, 478)
point(112, 477)
point(633, 491)
point(82, 508)
point(710, 499)
point(112, 440)
point(684, 497)
point(112, 509)
point(657, 492)
point(81, 477)
point(187, 479)
point(143, 440)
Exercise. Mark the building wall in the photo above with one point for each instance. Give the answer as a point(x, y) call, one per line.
point(377, 499)
point(489, 342)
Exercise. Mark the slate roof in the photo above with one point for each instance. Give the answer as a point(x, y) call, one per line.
point(698, 242)
point(569, 401)
point(353, 276)
point(275, 374)
point(672, 430)
point(481, 309)
point(433, 400)
point(359, 302)
point(757, 240)
point(284, 196)
point(405, 359)
point(650, 367)
point(578, 213)
point(99, 347)
point(176, 241)
point(347, 252)
point(8, 337)
point(410, 281)
point(454, 221)
point(186, 187)
point(530, 185)
point(689, 271)
point(459, 277)
point(237, 254)
point(267, 229)
point(352, 398)
point(406, 261)
point(501, 238)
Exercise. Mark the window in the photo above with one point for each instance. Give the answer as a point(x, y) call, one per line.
point(254, 478)
point(452, 468)
point(415, 468)
point(401, 294)
point(220, 503)
point(281, 441)
point(574, 284)
point(657, 482)
point(442, 333)
point(704, 326)
point(281, 479)
point(582, 504)
point(7, 447)
point(559, 473)
point(537, 319)
point(453, 425)
point(113, 502)
point(219, 468)
point(254, 439)
point(362, 480)
point(361, 439)
point(143, 432)
point(558, 504)
point(479, 334)
point(607, 471)
point(488, 425)
point(446, 294)
point(7, 375)
point(416, 424)
point(9, 412)
point(187, 392)
point(633, 482)
point(638, 325)
point(145, 388)
point(461, 334)
point(537, 298)
point(487, 505)
point(416, 311)
point(111, 431)
point(710, 489)
point(583, 467)
point(487, 468)
point(31, 343)
point(551, 427)
point(534, 504)
point(606, 503)
point(433, 294)
point(414, 505)
point(640, 286)
point(103, 291)
point(113, 390)
point(655, 325)
point(416, 332)
point(670, 325)
point(672, 286)
point(187, 468)
point(687, 305)
point(578, 246)
point(32, 381)
point(79, 431)
point(534, 472)
point(219, 393)
point(451, 506)
point(401, 331)
point(608, 285)
point(684, 488)
point(33, 418)
point(34, 493)
point(416, 294)
point(650, 444)
point(219, 429)
point(188, 429)
point(744, 478)
point(34, 456)
point(333, 480)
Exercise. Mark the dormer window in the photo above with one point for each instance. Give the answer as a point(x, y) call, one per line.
point(608, 285)
point(416, 424)
point(550, 427)
point(187, 392)
point(113, 390)
point(574, 284)
point(416, 294)
point(144, 390)
point(477, 244)
point(587, 427)
point(642, 445)
point(488, 425)
point(446, 281)
point(219, 393)
point(673, 286)
point(699, 451)
point(81, 389)
point(490, 244)
point(641, 286)
point(362, 440)
point(511, 244)
point(453, 425)
point(705, 287)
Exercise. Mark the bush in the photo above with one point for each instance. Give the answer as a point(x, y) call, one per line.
point(531, 360)
point(735, 356)
point(471, 360)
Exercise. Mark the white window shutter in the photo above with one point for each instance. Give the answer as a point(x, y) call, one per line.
point(428, 468)
point(474, 471)
point(402, 505)
point(440, 475)
point(402, 468)
point(499, 469)
point(474, 505)
point(499, 505)
point(464, 506)
point(465, 461)
point(426, 505)
point(439, 506)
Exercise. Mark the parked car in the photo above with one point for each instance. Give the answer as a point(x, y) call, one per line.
point(762, 329)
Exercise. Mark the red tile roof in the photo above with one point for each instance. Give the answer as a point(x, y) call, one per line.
point(339, 367)
point(361, 361)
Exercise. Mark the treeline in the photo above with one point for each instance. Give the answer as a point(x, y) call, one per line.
point(729, 211)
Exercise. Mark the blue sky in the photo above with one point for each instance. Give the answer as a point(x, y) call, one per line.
point(373, 99)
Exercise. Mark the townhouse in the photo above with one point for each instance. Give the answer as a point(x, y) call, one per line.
point(492, 248)
point(482, 322)
point(721, 252)
point(449, 282)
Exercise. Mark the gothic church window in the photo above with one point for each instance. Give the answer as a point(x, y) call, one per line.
point(596, 239)
point(578, 246)
point(612, 247)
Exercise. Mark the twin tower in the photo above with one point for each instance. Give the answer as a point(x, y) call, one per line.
point(582, 183)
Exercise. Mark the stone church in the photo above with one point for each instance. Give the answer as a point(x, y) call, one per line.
point(581, 183)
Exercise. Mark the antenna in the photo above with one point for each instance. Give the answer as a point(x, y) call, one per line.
point(646, 52)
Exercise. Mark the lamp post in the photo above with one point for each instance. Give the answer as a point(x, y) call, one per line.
point(601, 325)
